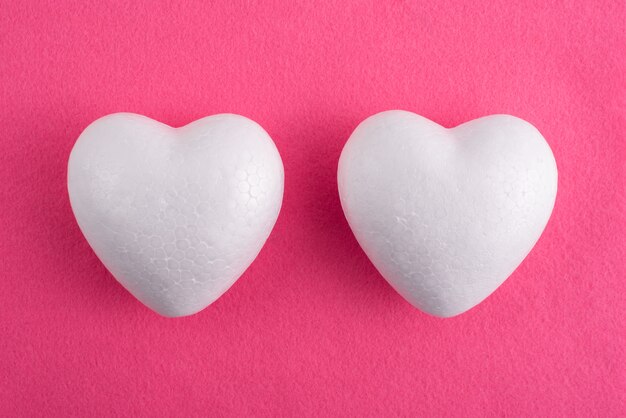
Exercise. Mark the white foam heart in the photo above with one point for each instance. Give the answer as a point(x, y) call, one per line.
point(446, 215)
point(176, 215)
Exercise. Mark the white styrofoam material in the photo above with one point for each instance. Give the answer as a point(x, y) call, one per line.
point(176, 215)
point(446, 215)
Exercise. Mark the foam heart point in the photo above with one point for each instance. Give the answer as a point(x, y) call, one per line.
point(176, 215)
point(446, 215)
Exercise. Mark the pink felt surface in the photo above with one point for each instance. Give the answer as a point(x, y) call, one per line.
point(311, 329)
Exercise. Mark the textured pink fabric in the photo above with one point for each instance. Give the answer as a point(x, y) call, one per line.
point(312, 329)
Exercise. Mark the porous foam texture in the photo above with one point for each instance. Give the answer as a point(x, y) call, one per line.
point(446, 215)
point(176, 215)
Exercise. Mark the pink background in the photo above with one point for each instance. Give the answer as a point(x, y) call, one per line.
point(312, 329)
